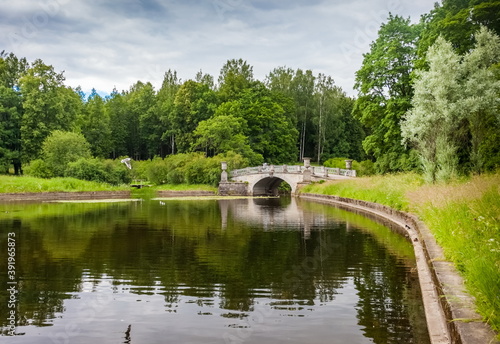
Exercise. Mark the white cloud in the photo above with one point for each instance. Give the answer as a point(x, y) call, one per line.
point(103, 44)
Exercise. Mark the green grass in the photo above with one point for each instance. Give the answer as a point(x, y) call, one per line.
point(12, 184)
point(388, 190)
point(464, 216)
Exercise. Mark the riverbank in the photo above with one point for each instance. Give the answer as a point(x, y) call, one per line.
point(25, 188)
point(463, 216)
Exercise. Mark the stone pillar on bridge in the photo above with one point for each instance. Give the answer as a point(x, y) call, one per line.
point(223, 175)
point(306, 175)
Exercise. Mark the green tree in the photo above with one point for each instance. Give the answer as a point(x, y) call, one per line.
point(235, 76)
point(48, 105)
point(142, 120)
point(225, 133)
point(194, 102)
point(455, 117)
point(61, 148)
point(326, 96)
point(11, 68)
point(271, 130)
point(10, 129)
point(116, 108)
point(457, 21)
point(385, 91)
point(165, 107)
point(96, 125)
point(205, 79)
point(480, 100)
point(433, 121)
point(281, 80)
point(299, 86)
point(343, 133)
point(303, 86)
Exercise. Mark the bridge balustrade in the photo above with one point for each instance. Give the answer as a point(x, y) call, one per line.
point(315, 170)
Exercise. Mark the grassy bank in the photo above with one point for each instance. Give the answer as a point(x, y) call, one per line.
point(13, 184)
point(463, 215)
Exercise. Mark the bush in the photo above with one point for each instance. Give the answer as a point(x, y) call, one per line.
point(157, 171)
point(61, 148)
point(106, 171)
point(38, 168)
point(191, 168)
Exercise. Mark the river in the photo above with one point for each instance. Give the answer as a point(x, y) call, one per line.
point(251, 270)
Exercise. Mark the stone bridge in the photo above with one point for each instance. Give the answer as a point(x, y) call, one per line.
point(264, 180)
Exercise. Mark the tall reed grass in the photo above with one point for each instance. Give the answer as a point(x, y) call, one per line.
point(464, 216)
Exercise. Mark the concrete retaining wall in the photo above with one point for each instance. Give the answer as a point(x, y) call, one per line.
point(57, 196)
point(189, 193)
point(450, 310)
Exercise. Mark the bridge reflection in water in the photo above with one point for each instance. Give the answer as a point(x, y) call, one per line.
point(272, 213)
point(254, 270)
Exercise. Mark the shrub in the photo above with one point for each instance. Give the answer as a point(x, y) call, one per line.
point(117, 173)
point(157, 171)
point(38, 168)
point(97, 170)
point(191, 168)
point(61, 148)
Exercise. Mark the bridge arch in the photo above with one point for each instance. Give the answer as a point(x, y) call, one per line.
point(268, 186)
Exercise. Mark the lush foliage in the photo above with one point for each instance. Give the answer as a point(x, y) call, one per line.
point(61, 148)
point(464, 217)
point(98, 170)
point(191, 168)
point(259, 121)
point(292, 113)
point(455, 108)
point(385, 93)
point(434, 84)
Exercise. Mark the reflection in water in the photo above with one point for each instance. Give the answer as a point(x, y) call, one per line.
point(206, 271)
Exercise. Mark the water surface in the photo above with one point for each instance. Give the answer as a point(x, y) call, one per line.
point(207, 271)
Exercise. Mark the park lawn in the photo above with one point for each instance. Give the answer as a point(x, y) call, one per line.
point(20, 184)
point(464, 216)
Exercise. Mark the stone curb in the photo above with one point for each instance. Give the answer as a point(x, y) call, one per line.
point(193, 193)
point(450, 311)
point(92, 195)
point(58, 196)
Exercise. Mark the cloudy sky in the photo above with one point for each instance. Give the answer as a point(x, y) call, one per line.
point(104, 44)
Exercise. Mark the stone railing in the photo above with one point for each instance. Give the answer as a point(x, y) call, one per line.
point(320, 171)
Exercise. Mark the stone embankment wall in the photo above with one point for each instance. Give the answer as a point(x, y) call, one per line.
point(233, 189)
point(59, 196)
point(94, 195)
point(450, 310)
point(189, 193)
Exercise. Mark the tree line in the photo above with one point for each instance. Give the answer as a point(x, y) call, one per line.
point(428, 100)
point(290, 114)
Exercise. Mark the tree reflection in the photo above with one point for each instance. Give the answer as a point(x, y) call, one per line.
point(218, 258)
